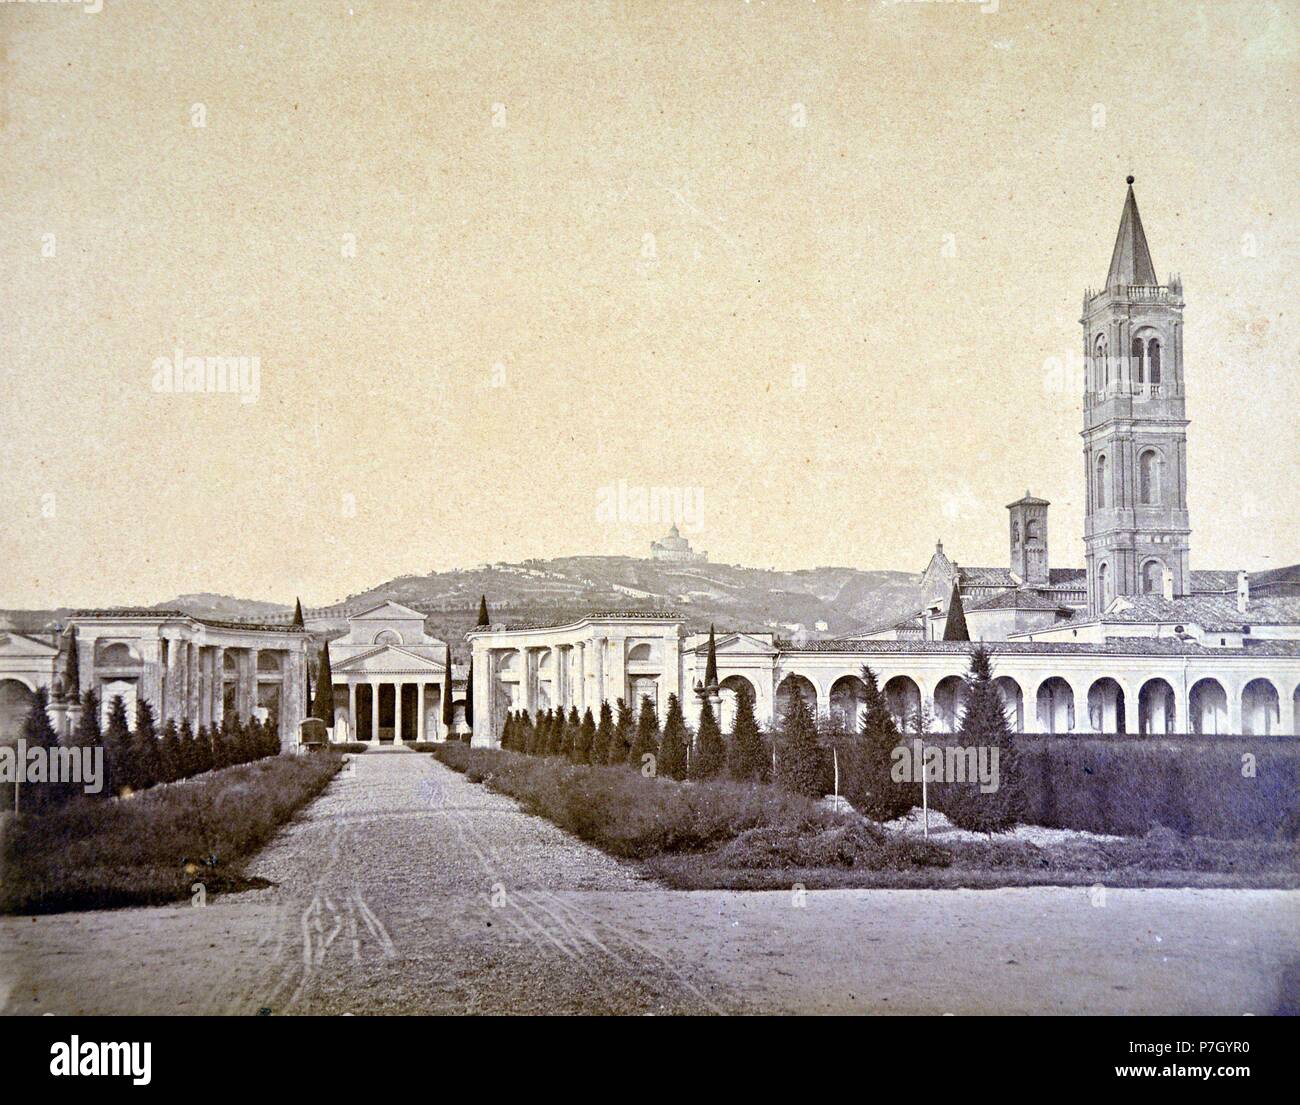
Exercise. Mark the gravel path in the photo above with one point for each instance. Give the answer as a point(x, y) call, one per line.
point(406, 889)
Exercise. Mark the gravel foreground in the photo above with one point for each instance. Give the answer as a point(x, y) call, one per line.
point(405, 888)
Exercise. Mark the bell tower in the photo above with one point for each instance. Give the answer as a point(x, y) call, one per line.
point(1134, 426)
point(1029, 539)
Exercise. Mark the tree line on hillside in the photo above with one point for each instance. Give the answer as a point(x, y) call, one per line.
point(140, 756)
point(800, 755)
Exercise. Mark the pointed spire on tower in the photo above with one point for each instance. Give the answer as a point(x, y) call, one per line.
point(1130, 263)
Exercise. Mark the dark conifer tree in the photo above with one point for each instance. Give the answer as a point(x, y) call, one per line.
point(188, 760)
point(297, 615)
point(203, 750)
point(985, 728)
point(571, 726)
point(146, 756)
point(323, 706)
point(604, 735)
point(38, 732)
point(555, 741)
point(117, 746)
point(710, 758)
point(711, 664)
point(170, 765)
point(672, 748)
point(504, 743)
point(954, 626)
point(582, 745)
point(748, 760)
point(647, 737)
point(483, 611)
point(448, 706)
point(800, 766)
point(620, 746)
point(72, 670)
point(867, 760)
point(87, 734)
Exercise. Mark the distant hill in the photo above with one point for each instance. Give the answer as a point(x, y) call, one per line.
point(818, 602)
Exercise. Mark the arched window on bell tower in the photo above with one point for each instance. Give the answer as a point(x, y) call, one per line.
point(1139, 360)
point(1101, 482)
point(1153, 360)
point(1153, 578)
point(1149, 478)
point(1101, 365)
point(1103, 584)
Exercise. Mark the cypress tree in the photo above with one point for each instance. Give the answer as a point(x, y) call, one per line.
point(954, 626)
point(586, 739)
point(571, 727)
point(72, 670)
point(711, 665)
point(747, 756)
point(620, 744)
point(323, 707)
point(87, 734)
point(672, 749)
point(448, 707)
point(867, 760)
point(800, 765)
point(188, 761)
point(146, 757)
point(555, 739)
point(38, 732)
point(297, 615)
point(647, 737)
point(117, 746)
point(203, 750)
point(542, 742)
point(483, 611)
point(170, 764)
point(711, 752)
point(504, 743)
point(604, 735)
point(984, 727)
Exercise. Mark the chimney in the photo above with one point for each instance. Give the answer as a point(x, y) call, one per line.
point(1168, 584)
point(1243, 592)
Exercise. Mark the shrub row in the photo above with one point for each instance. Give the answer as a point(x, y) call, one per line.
point(153, 847)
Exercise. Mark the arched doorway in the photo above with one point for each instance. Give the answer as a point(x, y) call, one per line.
point(1055, 706)
point(1013, 700)
point(729, 691)
point(1260, 709)
point(949, 703)
point(794, 684)
point(1106, 707)
point(1157, 708)
point(903, 697)
point(15, 704)
point(1207, 707)
point(848, 695)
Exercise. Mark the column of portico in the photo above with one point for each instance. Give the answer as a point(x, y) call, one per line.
point(580, 677)
point(174, 684)
point(1286, 715)
point(672, 674)
point(1235, 692)
point(526, 673)
point(419, 711)
point(397, 711)
point(352, 710)
point(1182, 707)
point(218, 685)
point(1082, 718)
point(253, 655)
point(598, 663)
point(617, 678)
point(374, 712)
point(151, 674)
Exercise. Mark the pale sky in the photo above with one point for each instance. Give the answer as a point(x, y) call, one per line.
point(594, 244)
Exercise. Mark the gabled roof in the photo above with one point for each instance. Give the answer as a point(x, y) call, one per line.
point(392, 611)
point(1203, 581)
point(1130, 263)
point(985, 577)
point(386, 658)
point(24, 645)
point(1022, 598)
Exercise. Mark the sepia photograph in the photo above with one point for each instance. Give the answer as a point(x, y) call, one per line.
point(604, 508)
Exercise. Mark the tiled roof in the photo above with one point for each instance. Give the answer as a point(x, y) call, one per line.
point(1022, 598)
point(1127, 646)
point(1205, 580)
point(985, 577)
point(164, 615)
point(1212, 612)
point(1061, 577)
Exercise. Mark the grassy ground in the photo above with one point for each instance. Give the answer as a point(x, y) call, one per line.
point(153, 848)
point(722, 835)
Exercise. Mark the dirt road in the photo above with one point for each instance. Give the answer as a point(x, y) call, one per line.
point(405, 888)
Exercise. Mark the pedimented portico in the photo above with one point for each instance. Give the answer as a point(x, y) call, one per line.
point(390, 678)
